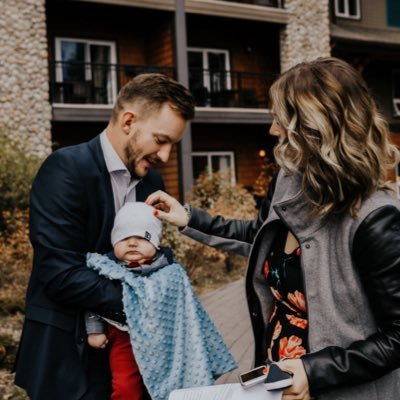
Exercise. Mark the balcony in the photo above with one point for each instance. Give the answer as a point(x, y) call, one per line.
point(230, 89)
point(96, 84)
point(87, 91)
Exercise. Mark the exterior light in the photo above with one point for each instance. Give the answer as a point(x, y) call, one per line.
point(262, 153)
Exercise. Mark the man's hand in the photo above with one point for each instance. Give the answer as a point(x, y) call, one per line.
point(97, 340)
point(168, 208)
point(299, 390)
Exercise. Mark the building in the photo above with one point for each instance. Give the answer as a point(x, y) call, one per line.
point(66, 61)
point(232, 53)
point(366, 33)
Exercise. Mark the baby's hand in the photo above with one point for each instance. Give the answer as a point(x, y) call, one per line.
point(97, 340)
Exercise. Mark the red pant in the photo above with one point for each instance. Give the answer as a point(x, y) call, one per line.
point(127, 383)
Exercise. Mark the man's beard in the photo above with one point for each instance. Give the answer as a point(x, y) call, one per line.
point(131, 156)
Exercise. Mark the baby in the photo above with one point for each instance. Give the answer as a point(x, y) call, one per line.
point(135, 238)
point(168, 334)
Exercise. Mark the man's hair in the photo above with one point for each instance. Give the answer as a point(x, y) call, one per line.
point(334, 136)
point(152, 91)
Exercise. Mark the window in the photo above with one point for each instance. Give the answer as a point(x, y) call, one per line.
point(348, 9)
point(209, 68)
point(396, 92)
point(397, 179)
point(84, 72)
point(393, 13)
point(214, 161)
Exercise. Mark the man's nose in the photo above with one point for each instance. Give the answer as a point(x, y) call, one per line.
point(164, 152)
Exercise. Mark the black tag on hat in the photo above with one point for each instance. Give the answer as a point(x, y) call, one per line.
point(147, 236)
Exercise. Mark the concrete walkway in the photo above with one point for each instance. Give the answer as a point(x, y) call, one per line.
point(227, 308)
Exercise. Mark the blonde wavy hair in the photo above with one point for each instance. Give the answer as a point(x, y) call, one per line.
point(334, 135)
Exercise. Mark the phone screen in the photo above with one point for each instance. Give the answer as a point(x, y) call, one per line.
point(255, 373)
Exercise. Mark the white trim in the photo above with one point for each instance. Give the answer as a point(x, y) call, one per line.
point(236, 110)
point(396, 107)
point(209, 154)
point(83, 106)
point(206, 76)
point(346, 13)
point(397, 179)
point(111, 82)
point(211, 7)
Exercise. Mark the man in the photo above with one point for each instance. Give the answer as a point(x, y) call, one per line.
point(73, 202)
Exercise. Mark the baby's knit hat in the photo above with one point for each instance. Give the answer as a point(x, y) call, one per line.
point(136, 219)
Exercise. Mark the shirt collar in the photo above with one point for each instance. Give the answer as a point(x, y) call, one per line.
point(111, 157)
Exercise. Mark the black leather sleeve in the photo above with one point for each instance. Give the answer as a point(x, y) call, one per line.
point(376, 251)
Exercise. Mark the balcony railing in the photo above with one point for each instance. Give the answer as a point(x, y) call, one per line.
point(213, 88)
point(90, 83)
point(98, 84)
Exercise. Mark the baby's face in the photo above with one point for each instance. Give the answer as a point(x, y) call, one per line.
point(134, 249)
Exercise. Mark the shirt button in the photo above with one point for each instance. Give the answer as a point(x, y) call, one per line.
point(284, 208)
point(308, 246)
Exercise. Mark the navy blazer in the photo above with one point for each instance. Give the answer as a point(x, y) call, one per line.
point(71, 213)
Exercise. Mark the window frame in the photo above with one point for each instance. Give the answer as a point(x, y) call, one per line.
point(390, 11)
point(397, 179)
point(206, 69)
point(395, 100)
point(346, 13)
point(211, 153)
point(112, 85)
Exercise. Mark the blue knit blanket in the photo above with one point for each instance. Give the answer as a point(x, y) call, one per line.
point(175, 343)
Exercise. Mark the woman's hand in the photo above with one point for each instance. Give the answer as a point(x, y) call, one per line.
point(299, 390)
point(168, 208)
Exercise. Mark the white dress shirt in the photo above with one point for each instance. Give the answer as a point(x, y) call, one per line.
point(123, 186)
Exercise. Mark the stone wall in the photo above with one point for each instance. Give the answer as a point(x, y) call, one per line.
point(307, 34)
point(25, 111)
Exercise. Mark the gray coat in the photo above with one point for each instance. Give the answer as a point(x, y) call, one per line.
point(339, 310)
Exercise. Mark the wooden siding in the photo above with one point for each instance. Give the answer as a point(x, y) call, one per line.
point(170, 173)
point(160, 45)
point(253, 46)
point(142, 37)
point(244, 140)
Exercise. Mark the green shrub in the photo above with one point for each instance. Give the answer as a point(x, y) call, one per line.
point(15, 262)
point(206, 266)
point(17, 170)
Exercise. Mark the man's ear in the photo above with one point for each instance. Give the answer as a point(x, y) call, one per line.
point(127, 121)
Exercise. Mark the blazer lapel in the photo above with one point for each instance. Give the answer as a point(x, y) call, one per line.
point(140, 192)
point(105, 204)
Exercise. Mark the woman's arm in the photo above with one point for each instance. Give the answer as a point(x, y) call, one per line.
point(376, 251)
point(226, 234)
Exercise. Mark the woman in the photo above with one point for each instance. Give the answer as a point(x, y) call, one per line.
point(329, 246)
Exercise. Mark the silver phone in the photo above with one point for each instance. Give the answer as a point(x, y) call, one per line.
point(254, 376)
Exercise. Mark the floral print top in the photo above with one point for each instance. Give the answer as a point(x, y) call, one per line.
point(287, 328)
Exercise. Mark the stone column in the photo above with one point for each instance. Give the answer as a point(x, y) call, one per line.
point(25, 111)
point(307, 34)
